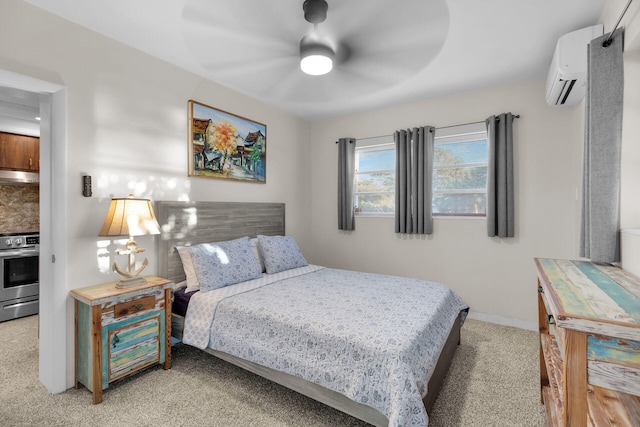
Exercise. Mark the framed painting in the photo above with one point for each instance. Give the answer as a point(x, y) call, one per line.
point(226, 146)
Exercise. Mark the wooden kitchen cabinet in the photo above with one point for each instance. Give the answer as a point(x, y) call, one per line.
point(120, 331)
point(589, 322)
point(19, 152)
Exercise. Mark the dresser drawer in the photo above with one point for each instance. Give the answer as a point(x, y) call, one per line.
point(131, 307)
point(550, 322)
point(132, 346)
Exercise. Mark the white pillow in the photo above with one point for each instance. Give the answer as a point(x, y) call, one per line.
point(179, 285)
point(280, 253)
point(255, 247)
point(187, 265)
point(225, 263)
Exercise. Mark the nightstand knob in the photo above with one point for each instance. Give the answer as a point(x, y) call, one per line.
point(540, 290)
point(115, 340)
point(550, 319)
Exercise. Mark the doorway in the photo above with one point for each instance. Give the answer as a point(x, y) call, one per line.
point(53, 321)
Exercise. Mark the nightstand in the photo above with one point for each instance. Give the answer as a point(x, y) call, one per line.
point(120, 331)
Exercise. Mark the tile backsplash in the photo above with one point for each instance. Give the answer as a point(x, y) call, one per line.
point(19, 209)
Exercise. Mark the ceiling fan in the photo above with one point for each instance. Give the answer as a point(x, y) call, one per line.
point(257, 47)
point(316, 55)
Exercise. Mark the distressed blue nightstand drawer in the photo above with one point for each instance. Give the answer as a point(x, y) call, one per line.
point(133, 346)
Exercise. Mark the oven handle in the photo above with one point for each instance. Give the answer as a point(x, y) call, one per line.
point(19, 253)
point(19, 304)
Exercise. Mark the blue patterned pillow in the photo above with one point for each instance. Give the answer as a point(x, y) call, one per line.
point(224, 263)
point(280, 253)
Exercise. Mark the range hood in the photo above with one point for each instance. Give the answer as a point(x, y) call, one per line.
point(19, 178)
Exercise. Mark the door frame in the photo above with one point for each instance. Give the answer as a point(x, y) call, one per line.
point(53, 313)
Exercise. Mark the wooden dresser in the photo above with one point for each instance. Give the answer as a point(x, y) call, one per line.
point(589, 321)
point(121, 331)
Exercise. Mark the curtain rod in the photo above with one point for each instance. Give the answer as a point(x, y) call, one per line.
point(515, 116)
point(609, 39)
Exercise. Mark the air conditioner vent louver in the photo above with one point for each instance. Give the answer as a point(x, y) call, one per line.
point(567, 78)
point(567, 86)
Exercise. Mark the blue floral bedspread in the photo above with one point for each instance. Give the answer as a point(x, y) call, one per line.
point(374, 338)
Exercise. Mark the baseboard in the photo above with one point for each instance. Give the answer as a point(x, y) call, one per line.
point(506, 321)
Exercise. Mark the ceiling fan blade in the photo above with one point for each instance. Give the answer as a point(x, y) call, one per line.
point(242, 22)
point(238, 69)
point(254, 48)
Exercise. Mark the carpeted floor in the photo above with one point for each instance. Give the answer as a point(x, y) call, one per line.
point(493, 382)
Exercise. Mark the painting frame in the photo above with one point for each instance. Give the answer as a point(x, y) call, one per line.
point(223, 145)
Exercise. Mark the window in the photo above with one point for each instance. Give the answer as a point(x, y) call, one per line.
point(375, 176)
point(460, 170)
point(459, 173)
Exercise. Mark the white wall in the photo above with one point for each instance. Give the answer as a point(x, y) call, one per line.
point(127, 128)
point(495, 276)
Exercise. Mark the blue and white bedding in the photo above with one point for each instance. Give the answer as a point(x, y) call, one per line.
point(374, 338)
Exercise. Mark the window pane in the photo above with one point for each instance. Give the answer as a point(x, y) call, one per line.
point(375, 177)
point(368, 161)
point(375, 203)
point(462, 178)
point(376, 181)
point(465, 204)
point(453, 153)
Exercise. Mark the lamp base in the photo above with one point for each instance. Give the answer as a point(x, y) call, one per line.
point(129, 282)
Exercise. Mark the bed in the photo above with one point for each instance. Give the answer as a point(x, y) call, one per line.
point(384, 385)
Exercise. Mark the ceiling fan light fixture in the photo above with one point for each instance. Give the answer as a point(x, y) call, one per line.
point(316, 59)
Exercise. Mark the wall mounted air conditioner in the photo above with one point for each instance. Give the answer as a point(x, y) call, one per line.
point(567, 78)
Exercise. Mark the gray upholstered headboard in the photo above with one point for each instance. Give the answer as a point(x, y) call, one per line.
point(190, 223)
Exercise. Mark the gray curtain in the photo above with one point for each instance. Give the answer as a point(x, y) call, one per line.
point(599, 236)
point(414, 170)
point(500, 193)
point(346, 171)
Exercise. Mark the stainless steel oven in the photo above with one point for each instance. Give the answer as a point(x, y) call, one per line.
point(19, 267)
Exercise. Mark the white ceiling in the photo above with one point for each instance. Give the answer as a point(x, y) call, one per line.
point(19, 111)
point(399, 50)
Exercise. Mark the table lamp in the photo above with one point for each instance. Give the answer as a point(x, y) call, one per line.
point(130, 217)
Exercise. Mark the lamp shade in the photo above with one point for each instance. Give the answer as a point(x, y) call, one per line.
point(316, 58)
point(130, 217)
